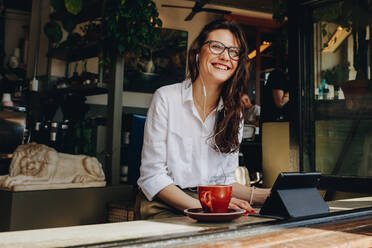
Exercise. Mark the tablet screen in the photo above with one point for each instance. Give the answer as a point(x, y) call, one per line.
point(293, 180)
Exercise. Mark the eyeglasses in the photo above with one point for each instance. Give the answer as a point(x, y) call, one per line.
point(218, 48)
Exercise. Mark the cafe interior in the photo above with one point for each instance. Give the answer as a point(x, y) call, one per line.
point(62, 86)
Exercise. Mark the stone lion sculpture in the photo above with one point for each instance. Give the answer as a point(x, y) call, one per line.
point(35, 166)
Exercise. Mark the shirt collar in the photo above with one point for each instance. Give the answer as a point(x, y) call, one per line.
point(187, 94)
point(187, 91)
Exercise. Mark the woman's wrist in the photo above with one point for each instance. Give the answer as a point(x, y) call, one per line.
point(251, 199)
point(196, 203)
point(260, 195)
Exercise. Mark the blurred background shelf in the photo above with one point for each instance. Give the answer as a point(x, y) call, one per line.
point(75, 54)
point(86, 90)
point(342, 109)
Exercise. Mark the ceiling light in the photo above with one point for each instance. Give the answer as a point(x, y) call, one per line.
point(337, 38)
point(263, 47)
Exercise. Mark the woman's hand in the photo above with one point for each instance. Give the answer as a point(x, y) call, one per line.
point(236, 203)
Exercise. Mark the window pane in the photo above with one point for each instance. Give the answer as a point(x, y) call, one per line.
point(342, 104)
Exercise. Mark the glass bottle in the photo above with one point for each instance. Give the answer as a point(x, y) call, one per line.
point(45, 133)
point(65, 138)
point(323, 89)
point(53, 135)
point(36, 133)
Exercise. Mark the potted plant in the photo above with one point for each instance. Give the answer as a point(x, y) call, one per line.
point(121, 26)
point(337, 76)
point(124, 25)
point(67, 11)
point(130, 25)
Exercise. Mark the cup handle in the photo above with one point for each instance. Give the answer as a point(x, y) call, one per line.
point(206, 199)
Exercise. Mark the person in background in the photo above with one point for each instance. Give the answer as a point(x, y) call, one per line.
point(253, 111)
point(276, 97)
point(194, 128)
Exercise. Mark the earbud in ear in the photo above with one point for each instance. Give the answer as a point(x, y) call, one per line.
point(197, 59)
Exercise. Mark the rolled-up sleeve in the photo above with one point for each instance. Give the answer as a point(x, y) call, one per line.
point(154, 171)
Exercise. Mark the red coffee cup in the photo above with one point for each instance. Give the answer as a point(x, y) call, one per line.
point(215, 198)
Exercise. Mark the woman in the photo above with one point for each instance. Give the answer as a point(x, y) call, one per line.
point(194, 128)
point(252, 111)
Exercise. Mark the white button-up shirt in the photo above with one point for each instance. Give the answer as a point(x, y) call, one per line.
point(177, 148)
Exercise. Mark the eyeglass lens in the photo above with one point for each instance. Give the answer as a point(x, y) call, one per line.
point(217, 48)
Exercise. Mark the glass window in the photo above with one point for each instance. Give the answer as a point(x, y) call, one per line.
point(342, 97)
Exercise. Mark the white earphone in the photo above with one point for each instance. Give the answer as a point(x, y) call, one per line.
point(197, 61)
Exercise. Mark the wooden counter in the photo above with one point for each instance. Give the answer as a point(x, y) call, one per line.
point(349, 229)
point(356, 233)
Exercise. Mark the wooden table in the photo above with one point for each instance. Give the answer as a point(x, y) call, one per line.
point(339, 229)
point(344, 233)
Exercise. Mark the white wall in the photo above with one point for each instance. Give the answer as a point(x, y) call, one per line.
point(15, 21)
point(130, 99)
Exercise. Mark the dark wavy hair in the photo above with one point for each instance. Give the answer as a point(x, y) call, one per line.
point(228, 120)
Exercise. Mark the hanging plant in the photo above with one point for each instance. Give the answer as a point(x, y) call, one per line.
point(53, 31)
point(130, 25)
point(74, 6)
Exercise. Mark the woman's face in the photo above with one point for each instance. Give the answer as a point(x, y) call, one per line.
point(217, 68)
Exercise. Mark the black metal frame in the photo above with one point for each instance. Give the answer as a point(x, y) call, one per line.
point(346, 184)
point(301, 71)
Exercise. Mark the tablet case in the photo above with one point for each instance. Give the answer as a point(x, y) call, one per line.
point(294, 203)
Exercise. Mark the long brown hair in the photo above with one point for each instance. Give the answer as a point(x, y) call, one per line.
point(229, 120)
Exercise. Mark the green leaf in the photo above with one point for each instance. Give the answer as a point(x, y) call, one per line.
point(57, 5)
point(69, 22)
point(74, 6)
point(53, 31)
point(129, 25)
point(159, 22)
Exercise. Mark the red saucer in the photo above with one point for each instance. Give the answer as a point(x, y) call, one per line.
point(198, 214)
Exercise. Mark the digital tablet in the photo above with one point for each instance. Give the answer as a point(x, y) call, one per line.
point(293, 195)
point(294, 180)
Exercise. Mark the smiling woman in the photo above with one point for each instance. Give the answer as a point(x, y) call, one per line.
point(211, 72)
point(194, 128)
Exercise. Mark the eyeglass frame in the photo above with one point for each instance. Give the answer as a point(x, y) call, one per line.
point(224, 48)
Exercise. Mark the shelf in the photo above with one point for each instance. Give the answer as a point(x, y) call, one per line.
point(75, 54)
point(340, 109)
point(86, 90)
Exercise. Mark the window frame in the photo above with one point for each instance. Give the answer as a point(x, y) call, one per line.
point(301, 71)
